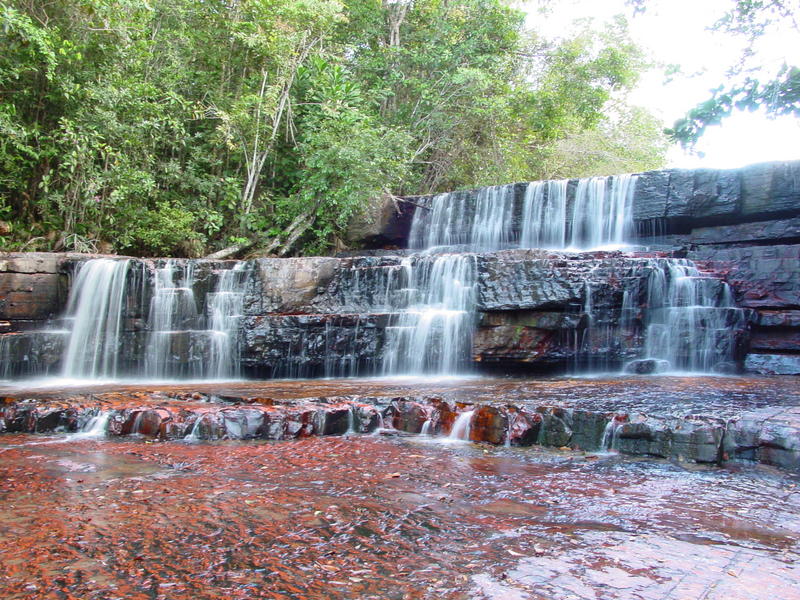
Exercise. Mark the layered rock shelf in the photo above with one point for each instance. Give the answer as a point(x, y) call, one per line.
point(534, 311)
point(697, 420)
point(313, 320)
point(742, 224)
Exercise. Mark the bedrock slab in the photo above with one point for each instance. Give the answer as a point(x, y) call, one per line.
point(773, 364)
point(703, 420)
point(763, 277)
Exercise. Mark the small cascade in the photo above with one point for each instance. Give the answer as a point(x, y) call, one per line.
point(351, 419)
point(94, 312)
point(598, 215)
point(170, 350)
point(544, 215)
point(479, 223)
point(494, 212)
point(602, 214)
point(599, 338)
point(432, 332)
point(381, 424)
point(94, 428)
point(7, 358)
point(462, 426)
point(431, 419)
point(691, 318)
point(194, 433)
point(225, 311)
point(609, 435)
point(342, 361)
point(184, 342)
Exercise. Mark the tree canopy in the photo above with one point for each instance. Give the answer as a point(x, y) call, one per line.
point(177, 127)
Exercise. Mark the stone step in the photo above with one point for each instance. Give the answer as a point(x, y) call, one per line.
point(766, 432)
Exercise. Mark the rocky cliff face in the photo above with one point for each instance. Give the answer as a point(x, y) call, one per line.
point(742, 224)
point(534, 310)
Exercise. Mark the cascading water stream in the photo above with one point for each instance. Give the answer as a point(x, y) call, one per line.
point(94, 428)
point(173, 318)
point(94, 311)
point(544, 215)
point(455, 219)
point(225, 308)
point(598, 216)
point(601, 214)
point(432, 331)
point(691, 318)
point(461, 426)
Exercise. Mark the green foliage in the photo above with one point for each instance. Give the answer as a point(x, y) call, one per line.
point(164, 231)
point(778, 96)
point(180, 126)
point(749, 86)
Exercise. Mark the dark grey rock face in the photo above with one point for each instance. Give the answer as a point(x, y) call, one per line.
point(764, 231)
point(312, 345)
point(762, 276)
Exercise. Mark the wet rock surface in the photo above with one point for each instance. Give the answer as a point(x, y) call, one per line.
point(535, 310)
point(702, 420)
point(374, 518)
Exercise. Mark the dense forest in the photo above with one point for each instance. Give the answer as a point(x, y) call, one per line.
point(179, 127)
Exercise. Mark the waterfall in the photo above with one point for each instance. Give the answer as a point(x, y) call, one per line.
point(492, 218)
point(493, 215)
point(5, 358)
point(601, 213)
point(479, 223)
point(225, 308)
point(461, 426)
point(609, 435)
point(96, 427)
point(173, 317)
point(544, 215)
point(180, 342)
point(432, 331)
point(691, 318)
point(94, 309)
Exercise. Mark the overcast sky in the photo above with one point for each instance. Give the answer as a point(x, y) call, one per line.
point(675, 32)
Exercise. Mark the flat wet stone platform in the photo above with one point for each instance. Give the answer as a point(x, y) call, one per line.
point(371, 517)
point(700, 419)
point(724, 395)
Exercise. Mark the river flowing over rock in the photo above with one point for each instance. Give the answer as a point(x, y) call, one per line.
point(673, 270)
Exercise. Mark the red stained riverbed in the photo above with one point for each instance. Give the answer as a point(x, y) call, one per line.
point(721, 396)
point(374, 517)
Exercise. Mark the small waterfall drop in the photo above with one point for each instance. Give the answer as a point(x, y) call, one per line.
point(432, 331)
point(691, 318)
point(479, 223)
point(225, 308)
point(461, 426)
point(601, 213)
point(173, 318)
point(94, 311)
point(609, 435)
point(544, 215)
point(96, 427)
point(426, 427)
point(6, 358)
point(597, 215)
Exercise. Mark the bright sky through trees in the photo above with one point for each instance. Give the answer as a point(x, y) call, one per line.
point(675, 32)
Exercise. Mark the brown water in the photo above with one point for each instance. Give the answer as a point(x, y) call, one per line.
point(374, 517)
